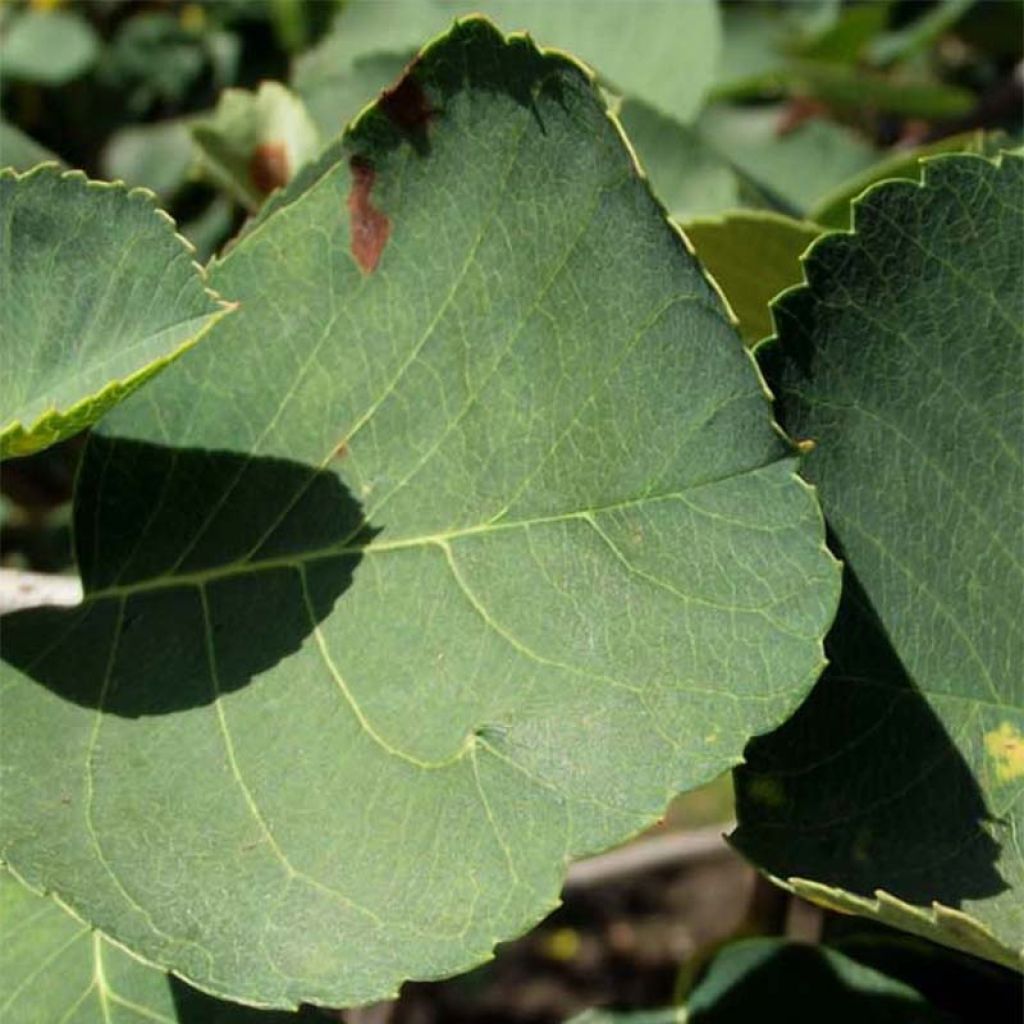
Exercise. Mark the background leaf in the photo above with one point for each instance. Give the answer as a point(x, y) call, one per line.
point(48, 47)
point(801, 983)
point(660, 52)
point(752, 255)
point(253, 143)
point(99, 296)
point(901, 359)
point(20, 151)
point(456, 581)
point(794, 167)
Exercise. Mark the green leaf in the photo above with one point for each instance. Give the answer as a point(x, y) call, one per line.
point(253, 143)
point(918, 34)
point(99, 295)
point(900, 780)
point(155, 156)
point(48, 47)
point(689, 177)
point(673, 1015)
point(854, 89)
point(20, 151)
point(752, 255)
point(834, 209)
point(794, 167)
point(660, 52)
point(454, 552)
point(55, 968)
point(801, 983)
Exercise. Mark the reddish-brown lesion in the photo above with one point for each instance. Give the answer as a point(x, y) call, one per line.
point(407, 107)
point(269, 167)
point(369, 227)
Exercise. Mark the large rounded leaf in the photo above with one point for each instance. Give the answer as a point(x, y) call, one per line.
point(901, 358)
point(99, 294)
point(467, 543)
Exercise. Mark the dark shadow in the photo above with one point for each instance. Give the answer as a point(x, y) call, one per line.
point(475, 56)
point(201, 569)
point(801, 984)
point(863, 788)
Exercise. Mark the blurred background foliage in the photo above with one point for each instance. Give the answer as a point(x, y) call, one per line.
point(783, 112)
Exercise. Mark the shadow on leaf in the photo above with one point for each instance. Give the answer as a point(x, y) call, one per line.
point(862, 788)
point(201, 570)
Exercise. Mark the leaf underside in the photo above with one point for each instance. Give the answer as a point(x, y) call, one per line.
point(901, 359)
point(451, 555)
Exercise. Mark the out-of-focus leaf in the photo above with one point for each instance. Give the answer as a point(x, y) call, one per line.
point(670, 1015)
point(855, 89)
point(794, 167)
point(752, 255)
point(914, 37)
point(20, 151)
point(156, 156)
point(99, 295)
point(845, 40)
point(153, 59)
point(48, 47)
point(779, 980)
point(689, 177)
point(896, 790)
point(660, 51)
point(253, 143)
point(210, 229)
point(754, 37)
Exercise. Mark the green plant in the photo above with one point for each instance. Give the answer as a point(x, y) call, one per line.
point(439, 531)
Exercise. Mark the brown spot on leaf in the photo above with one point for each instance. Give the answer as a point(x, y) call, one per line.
point(406, 105)
point(340, 452)
point(268, 167)
point(369, 227)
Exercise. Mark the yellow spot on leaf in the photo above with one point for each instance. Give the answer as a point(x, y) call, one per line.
point(1005, 746)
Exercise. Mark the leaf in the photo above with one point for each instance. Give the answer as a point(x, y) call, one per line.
point(853, 89)
point(475, 543)
point(673, 1015)
point(911, 38)
point(800, 983)
point(752, 255)
point(48, 47)
point(833, 209)
point(794, 167)
point(900, 779)
point(155, 58)
point(660, 52)
point(54, 968)
point(155, 156)
point(100, 295)
point(253, 143)
point(689, 177)
point(20, 151)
